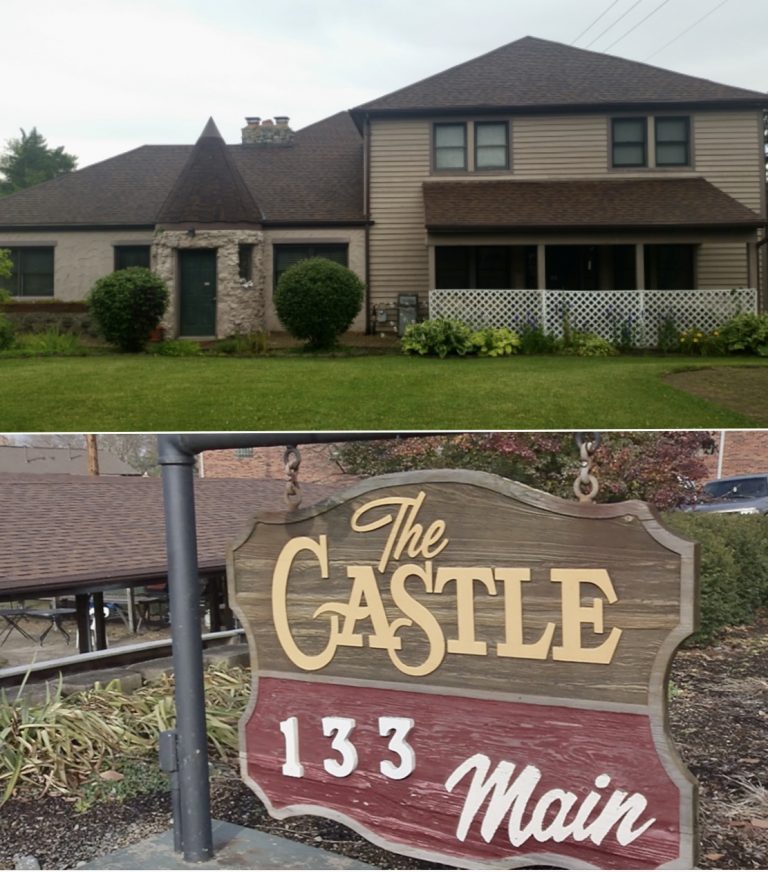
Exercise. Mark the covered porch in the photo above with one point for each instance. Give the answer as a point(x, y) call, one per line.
point(606, 254)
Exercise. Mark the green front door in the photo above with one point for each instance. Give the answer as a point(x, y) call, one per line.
point(197, 292)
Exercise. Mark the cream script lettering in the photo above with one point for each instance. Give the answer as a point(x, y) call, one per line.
point(509, 791)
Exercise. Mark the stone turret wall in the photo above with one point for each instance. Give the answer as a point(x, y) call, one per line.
point(240, 306)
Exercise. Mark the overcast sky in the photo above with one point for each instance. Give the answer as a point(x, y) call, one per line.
point(103, 76)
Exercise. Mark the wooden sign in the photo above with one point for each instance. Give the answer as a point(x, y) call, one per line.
point(466, 670)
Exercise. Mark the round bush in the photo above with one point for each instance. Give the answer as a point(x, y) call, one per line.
point(7, 333)
point(127, 305)
point(317, 299)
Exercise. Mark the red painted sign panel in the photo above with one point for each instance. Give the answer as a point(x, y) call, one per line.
point(468, 671)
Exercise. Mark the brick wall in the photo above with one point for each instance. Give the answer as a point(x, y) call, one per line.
point(744, 452)
point(317, 465)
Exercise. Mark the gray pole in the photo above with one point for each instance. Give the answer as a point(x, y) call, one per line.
point(194, 826)
point(176, 454)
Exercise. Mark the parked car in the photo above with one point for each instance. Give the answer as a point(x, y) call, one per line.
point(745, 494)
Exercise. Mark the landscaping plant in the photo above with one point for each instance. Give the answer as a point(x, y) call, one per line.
point(127, 305)
point(587, 345)
point(438, 337)
point(91, 745)
point(745, 333)
point(317, 300)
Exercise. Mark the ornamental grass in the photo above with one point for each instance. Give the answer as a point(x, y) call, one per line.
point(59, 745)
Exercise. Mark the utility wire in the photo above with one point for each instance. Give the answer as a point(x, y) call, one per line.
point(610, 26)
point(652, 12)
point(595, 21)
point(687, 29)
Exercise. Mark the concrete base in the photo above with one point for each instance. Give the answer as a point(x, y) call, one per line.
point(234, 847)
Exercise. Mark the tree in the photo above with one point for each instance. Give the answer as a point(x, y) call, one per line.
point(654, 466)
point(29, 161)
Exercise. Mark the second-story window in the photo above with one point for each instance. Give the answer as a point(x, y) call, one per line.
point(672, 141)
point(628, 142)
point(491, 145)
point(450, 146)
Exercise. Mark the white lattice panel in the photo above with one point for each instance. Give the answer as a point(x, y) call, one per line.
point(487, 308)
point(611, 314)
point(705, 310)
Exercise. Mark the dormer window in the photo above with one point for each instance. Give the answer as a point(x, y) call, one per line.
point(672, 141)
point(450, 146)
point(491, 145)
point(629, 142)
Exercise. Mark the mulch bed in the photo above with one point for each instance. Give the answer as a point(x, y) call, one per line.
point(742, 389)
point(718, 717)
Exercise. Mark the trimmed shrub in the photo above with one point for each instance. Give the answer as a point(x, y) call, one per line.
point(734, 567)
point(317, 300)
point(745, 334)
point(7, 332)
point(495, 342)
point(587, 345)
point(127, 305)
point(438, 338)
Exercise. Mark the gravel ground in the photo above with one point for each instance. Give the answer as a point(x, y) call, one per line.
point(718, 716)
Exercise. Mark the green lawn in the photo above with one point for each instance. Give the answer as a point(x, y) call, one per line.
point(370, 392)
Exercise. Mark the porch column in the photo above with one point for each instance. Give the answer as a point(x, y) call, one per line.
point(640, 266)
point(541, 266)
point(752, 265)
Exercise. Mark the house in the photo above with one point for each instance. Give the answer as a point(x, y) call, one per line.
point(54, 461)
point(534, 167)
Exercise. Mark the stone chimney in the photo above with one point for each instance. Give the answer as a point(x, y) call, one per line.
point(267, 132)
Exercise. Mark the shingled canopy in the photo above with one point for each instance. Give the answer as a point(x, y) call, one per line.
point(69, 534)
point(589, 204)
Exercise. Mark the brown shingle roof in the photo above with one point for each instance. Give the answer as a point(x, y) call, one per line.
point(65, 532)
point(592, 204)
point(317, 179)
point(209, 190)
point(536, 73)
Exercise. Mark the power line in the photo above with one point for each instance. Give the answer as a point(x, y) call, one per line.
point(690, 27)
point(610, 26)
point(595, 21)
point(652, 12)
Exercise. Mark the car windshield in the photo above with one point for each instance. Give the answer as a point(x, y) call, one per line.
point(741, 489)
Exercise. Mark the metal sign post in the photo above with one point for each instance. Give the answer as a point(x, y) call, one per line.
point(192, 826)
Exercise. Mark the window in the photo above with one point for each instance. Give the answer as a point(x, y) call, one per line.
point(131, 255)
point(450, 146)
point(672, 142)
point(670, 267)
point(286, 256)
point(491, 145)
point(628, 142)
point(245, 262)
point(243, 453)
point(32, 274)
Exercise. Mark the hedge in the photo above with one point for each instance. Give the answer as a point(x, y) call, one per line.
point(734, 567)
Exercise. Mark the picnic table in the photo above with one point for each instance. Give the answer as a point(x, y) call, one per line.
point(54, 617)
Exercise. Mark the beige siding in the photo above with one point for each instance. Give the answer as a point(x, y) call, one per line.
point(560, 146)
point(727, 153)
point(400, 162)
point(722, 265)
point(79, 259)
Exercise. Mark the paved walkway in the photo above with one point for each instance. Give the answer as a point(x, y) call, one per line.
point(235, 847)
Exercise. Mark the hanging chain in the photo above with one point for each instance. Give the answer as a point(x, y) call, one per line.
point(586, 484)
point(292, 461)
